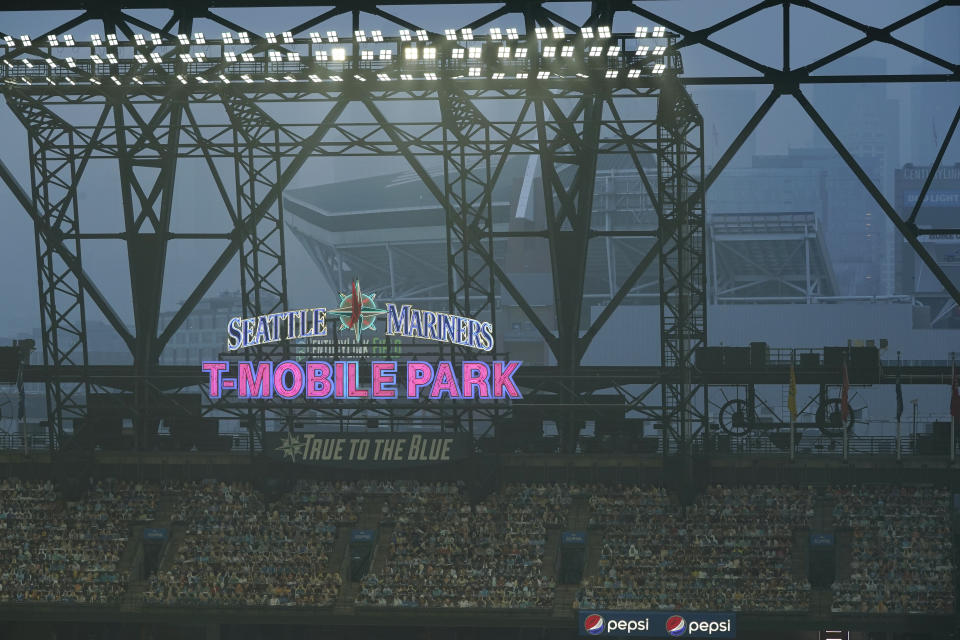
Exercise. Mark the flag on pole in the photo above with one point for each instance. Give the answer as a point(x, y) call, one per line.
point(844, 395)
point(792, 395)
point(899, 397)
point(21, 396)
point(954, 397)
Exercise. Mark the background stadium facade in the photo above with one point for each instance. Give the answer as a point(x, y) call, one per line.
point(555, 183)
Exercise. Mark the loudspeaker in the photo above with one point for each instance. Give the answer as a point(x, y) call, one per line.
point(709, 358)
point(759, 355)
point(736, 358)
point(833, 356)
point(809, 361)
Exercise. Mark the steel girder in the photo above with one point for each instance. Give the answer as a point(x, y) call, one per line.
point(683, 296)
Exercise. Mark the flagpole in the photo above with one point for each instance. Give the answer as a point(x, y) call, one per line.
point(899, 406)
point(844, 405)
point(953, 418)
point(792, 406)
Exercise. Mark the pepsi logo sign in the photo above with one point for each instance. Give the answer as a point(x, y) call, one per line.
point(676, 625)
point(593, 624)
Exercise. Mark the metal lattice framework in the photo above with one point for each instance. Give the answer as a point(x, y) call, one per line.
point(566, 122)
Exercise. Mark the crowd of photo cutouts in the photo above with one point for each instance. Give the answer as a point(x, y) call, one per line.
point(732, 549)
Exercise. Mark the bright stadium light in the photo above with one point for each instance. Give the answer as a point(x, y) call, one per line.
point(332, 36)
point(457, 54)
point(201, 80)
point(659, 68)
point(633, 73)
point(512, 34)
point(139, 40)
point(360, 35)
point(359, 77)
point(466, 33)
point(541, 33)
point(451, 34)
point(70, 81)
point(503, 52)
point(112, 39)
point(612, 73)
point(558, 32)
point(377, 35)
point(339, 54)
point(53, 41)
point(405, 35)
point(499, 75)
point(366, 54)
point(659, 32)
point(183, 38)
point(429, 53)
point(475, 53)
point(659, 51)
point(422, 35)
point(474, 72)
point(586, 32)
point(68, 40)
point(293, 56)
point(287, 37)
point(549, 51)
point(10, 41)
point(641, 32)
point(566, 52)
point(246, 78)
point(198, 38)
point(429, 76)
point(247, 57)
point(227, 37)
point(112, 59)
point(225, 79)
point(522, 75)
point(271, 37)
point(70, 63)
point(140, 58)
point(315, 37)
point(244, 37)
point(383, 77)
point(116, 80)
point(314, 78)
point(642, 51)
point(603, 32)
point(543, 75)
point(613, 50)
point(386, 54)
point(200, 55)
point(520, 52)
point(320, 56)
point(184, 57)
point(495, 33)
point(406, 76)
point(94, 40)
point(156, 57)
point(595, 51)
point(96, 59)
point(410, 53)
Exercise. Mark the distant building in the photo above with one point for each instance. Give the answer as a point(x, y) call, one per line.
point(203, 336)
point(941, 209)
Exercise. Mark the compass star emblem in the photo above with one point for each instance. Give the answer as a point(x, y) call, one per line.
point(357, 311)
point(291, 446)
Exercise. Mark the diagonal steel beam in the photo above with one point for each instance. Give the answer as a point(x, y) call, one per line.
point(902, 226)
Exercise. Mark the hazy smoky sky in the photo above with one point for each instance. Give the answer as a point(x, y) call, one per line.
point(725, 110)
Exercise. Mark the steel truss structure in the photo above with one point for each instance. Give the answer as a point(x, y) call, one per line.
point(147, 130)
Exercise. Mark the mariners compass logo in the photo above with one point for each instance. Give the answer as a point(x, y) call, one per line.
point(357, 311)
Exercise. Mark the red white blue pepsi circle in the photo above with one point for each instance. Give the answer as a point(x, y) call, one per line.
point(676, 625)
point(593, 624)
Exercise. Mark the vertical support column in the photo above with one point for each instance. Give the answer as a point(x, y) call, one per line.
point(683, 324)
point(54, 149)
point(468, 183)
point(258, 168)
point(147, 163)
